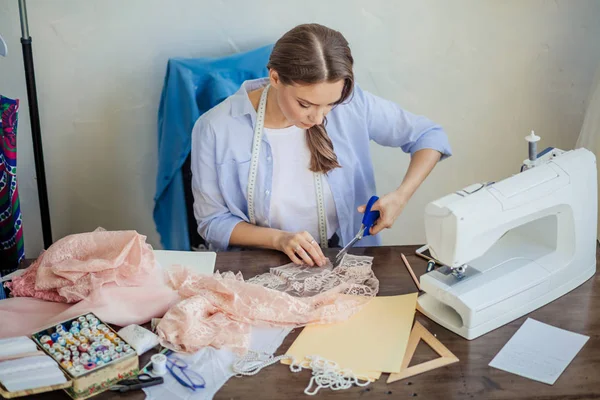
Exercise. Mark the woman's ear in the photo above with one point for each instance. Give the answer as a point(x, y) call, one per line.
point(274, 78)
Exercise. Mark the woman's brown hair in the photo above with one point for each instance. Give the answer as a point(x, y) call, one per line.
point(308, 54)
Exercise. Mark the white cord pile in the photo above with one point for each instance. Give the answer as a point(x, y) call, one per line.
point(325, 373)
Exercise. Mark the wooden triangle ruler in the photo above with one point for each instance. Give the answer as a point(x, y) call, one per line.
point(419, 332)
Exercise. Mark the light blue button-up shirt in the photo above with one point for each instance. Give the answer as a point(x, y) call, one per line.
point(222, 148)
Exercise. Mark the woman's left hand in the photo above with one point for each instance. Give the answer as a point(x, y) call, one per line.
point(390, 207)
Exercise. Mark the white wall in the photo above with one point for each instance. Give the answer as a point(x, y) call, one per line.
point(488, 71)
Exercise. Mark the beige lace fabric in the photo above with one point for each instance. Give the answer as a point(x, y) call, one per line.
point(219, 310)
point(304, 281)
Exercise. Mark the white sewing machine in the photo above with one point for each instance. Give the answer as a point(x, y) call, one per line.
point(510, 247)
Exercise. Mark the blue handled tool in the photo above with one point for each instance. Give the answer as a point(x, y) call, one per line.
point(368, 220)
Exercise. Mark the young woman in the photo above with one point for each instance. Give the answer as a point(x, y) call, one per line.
point(284, 163)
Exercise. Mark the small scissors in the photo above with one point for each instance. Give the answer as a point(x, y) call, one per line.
point(368, 220)
point(142, 381)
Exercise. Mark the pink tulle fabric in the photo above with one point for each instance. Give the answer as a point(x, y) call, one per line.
point(110, 273)
point(77, 264)
point(218, 310)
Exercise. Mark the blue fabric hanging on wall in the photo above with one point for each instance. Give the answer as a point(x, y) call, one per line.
point(192, 87)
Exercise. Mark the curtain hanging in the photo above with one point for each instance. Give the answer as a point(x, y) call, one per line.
point(589, 136)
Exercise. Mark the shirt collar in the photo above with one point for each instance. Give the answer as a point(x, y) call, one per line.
point(240, 102)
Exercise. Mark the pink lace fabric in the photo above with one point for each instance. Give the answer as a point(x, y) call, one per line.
point(76, 265)
point(110, 273)
point(219, 310)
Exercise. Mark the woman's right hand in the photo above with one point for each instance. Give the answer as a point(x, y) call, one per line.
point(301, 248)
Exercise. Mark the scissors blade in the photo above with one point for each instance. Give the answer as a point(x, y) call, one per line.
point(340, 255)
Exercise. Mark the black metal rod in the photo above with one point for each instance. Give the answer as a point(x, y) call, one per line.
point(34, 117)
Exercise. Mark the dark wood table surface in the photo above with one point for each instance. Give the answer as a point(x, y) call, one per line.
point(470, 378)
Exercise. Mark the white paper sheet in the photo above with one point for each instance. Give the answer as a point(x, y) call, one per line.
point(200, 262)
point(539, 351)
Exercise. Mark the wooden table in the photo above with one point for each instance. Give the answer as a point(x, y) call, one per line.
point(470, 378)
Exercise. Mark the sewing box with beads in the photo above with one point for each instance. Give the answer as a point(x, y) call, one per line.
point(92, 355)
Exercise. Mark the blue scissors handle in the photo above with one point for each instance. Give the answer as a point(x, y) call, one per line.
point(370, 216)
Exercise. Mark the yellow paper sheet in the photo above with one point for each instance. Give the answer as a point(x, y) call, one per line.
point(370, 342)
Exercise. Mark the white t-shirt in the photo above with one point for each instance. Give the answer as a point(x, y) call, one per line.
point(293, 194)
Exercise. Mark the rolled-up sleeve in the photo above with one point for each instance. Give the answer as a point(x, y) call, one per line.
point(215, 221)
point(389, 125)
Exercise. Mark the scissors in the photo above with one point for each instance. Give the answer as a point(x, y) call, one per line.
point(142, 381)
point(368, 220)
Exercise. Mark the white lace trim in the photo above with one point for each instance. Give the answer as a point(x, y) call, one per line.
point(325, 373)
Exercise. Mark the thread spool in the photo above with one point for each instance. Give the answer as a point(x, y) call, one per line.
point(532, 140)
point(89, 365)
point(159, 364)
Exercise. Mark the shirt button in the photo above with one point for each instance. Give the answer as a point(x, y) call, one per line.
point(269, 158)
point(267, 192)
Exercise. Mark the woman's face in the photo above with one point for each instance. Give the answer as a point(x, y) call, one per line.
point(306, 105)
